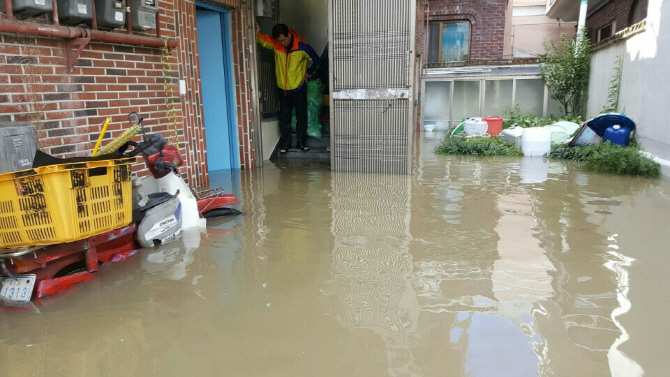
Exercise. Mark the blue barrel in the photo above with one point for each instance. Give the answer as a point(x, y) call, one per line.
point(617, 135)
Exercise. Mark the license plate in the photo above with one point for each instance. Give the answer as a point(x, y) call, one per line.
point(17, 289)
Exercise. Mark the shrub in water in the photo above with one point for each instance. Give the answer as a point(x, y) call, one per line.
point(479, 146)
point(608, 158)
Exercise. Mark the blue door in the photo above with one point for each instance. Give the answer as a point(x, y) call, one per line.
point(217, 88)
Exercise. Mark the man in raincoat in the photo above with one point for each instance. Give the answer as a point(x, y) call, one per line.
point(295, 62)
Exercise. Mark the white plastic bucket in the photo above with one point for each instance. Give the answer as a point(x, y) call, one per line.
point(475, 127)
point(536, 141)
point(513, 135)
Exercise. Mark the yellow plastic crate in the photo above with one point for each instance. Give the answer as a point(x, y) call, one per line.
point(64, 203)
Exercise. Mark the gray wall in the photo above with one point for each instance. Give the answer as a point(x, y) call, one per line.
point(644, 94)
point(309, 18)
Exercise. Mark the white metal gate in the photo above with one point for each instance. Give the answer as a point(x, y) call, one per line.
point(372, 78)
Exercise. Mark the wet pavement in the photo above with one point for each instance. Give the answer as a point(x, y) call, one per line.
point(468, 267)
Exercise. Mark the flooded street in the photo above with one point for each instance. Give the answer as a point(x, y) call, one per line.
point(467, 267)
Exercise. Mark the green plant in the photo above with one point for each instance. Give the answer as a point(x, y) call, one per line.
point(480, 146)
point(615, 84)
point(516, 116)
point(565, 71)
point(608, 158)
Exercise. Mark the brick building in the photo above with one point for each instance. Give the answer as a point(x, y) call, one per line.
point(607, 17)
point(467, 30)
point(112, 79)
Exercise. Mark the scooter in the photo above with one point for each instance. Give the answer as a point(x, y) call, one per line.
point(162, 221)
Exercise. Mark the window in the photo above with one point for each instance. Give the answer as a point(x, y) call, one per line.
point(606, 31)
point(449, 42)
point(638, 12)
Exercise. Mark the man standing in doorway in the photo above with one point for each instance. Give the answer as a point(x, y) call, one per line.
point(295, 62)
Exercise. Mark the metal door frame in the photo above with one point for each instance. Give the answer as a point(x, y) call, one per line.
point(411, 100)
point(231, 103)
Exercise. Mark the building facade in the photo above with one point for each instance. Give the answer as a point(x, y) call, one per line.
point(111, 79)
point(470, 30)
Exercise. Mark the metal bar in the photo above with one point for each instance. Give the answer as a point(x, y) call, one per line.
point(94, 25)
point(54, 14)
point(59, 31)
point(8, 9)
point(158, 23)
point(129, 22)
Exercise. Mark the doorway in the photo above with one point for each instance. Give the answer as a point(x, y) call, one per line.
point(218, 99)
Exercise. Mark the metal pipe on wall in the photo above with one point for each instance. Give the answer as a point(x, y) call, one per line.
point(54, 14)
point(129, 21)
point(59, 31)
point(8, 9)
point(94, 23)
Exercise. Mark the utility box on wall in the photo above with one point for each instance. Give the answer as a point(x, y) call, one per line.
point(73, 12)
point(18, 144)
point(110, 13)
point(143, 14)
point(28, 8)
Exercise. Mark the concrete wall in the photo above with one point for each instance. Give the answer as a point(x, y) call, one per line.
point(644, 95)
point(270, 129)
point(530, 32)
point(531, 27)
point(309, 18)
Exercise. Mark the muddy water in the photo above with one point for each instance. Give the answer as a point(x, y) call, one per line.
point(498, 267)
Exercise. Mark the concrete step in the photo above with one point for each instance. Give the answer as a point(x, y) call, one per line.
point(315, 154)
point(314, 143)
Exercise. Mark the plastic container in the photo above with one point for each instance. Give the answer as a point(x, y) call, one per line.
point(64, 203)
point(570, 127)
point(429, 127)
point(475, 127)
point(513, 135)
point(617, 135)
point(586, 136)
point(558, 134)
point(495, 125)
point(536, 141)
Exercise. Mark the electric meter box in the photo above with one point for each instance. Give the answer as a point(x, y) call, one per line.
point(143, 14)
point(29, 8)
point(110, 13)
point(18, 144)
point(73, 12)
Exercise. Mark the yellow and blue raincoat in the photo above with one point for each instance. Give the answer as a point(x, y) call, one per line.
point(291, 63)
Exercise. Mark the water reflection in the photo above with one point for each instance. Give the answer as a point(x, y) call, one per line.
point(371, 266)
point(473, 267)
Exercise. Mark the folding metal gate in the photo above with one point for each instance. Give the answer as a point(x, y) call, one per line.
point(372, 79)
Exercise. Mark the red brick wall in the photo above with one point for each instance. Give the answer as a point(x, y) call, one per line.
point(614, 10)
point(487, 19)
point(68, 109)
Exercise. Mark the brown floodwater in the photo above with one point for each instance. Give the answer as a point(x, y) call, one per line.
point(466, 267)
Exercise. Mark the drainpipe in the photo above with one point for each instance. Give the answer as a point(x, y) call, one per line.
point(582, 15)
point(581, 24)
